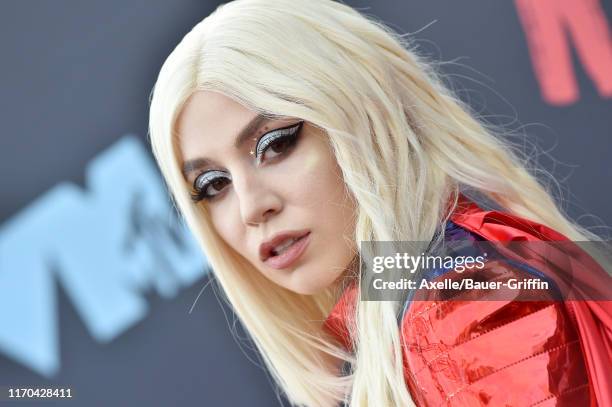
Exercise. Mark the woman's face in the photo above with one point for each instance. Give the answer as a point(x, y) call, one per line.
point(273, 189)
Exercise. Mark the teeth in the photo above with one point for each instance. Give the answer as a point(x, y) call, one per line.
point(282, 247)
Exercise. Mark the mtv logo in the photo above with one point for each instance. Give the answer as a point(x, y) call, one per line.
point(106, 245)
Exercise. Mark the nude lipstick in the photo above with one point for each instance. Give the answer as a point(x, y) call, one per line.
point(284, 249)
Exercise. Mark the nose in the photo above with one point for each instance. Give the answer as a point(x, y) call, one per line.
point(259, 199)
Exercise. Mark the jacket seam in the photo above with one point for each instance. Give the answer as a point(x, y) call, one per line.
point(510, 365)
point(564, 392)
point(429, 363)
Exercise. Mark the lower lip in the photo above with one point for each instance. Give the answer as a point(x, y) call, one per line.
point(289, 256)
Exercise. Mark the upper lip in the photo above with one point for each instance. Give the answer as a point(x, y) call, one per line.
point(265, 249)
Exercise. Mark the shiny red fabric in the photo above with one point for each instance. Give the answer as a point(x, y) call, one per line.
point(502, 353)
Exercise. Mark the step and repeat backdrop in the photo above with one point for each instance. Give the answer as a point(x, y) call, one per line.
point(104, 292)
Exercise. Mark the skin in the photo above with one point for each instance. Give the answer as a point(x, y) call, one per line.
point(299, 189)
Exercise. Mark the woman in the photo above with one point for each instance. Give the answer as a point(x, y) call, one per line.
point(290, 132)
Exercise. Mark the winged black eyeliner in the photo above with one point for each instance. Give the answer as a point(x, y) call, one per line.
point(274, 135)
point(203, 181)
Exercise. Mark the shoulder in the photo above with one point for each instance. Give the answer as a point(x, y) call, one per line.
point(474, 348)
point(478, 345)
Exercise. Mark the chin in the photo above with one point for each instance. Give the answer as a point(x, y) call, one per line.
point(311, 286)
point(307, 290)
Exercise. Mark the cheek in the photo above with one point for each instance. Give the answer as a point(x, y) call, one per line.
point(320, 190)
point(227, 224)
point(318, 178)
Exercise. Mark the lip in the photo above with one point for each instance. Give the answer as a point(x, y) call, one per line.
point(290, 255)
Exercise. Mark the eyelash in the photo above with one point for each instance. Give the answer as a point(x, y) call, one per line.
point(290, 134)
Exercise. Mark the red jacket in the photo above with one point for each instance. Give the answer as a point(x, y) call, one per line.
point(504, 353)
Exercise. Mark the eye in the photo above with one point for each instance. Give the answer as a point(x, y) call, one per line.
point(209, 184)
point(277, 142)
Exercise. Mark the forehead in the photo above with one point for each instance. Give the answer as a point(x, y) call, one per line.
point(209, 116)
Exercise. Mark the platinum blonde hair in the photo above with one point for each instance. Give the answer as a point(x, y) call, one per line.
point(405, 144)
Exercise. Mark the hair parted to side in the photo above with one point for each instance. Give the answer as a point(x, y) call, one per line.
point(406, 146)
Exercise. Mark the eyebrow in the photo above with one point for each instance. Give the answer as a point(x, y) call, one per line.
point(243, 136)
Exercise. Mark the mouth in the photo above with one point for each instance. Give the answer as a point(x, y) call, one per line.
point(284, 249)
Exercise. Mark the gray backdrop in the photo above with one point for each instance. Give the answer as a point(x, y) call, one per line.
point(76, 76)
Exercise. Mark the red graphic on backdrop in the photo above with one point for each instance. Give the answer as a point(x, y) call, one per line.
point(549, 25)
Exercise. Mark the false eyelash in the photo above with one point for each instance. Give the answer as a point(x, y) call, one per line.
point(196, 196)
point(269, 138)
point(201, 183)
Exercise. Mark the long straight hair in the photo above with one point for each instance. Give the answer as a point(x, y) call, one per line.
point(406, 147)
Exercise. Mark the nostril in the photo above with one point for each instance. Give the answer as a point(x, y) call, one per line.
point(257, 202)
point(268, 213)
